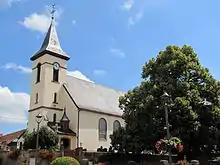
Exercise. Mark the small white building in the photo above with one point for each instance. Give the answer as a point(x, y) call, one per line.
point(91, 110)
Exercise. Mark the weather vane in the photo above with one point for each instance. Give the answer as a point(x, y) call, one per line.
point(53, 11)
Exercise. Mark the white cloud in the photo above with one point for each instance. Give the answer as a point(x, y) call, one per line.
point(24, 69)
point(13, 106)
point(127, 5)
point(137, 17)
point(73, 22)
point(136, 8)
point(16, 67)
point(99, 72)
point(79, 75)
point(40, 21)
point(37, 22)
point(117, 52)
point(7, 3)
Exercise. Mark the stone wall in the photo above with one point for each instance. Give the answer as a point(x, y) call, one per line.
point(23, 159)
point(123, 159)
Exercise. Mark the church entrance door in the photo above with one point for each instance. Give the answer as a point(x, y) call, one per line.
point(66, 144)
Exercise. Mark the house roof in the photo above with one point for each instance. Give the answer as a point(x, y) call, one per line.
point(8, 138)
point(91, 96)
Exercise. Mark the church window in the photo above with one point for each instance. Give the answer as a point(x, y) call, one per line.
point(38, 72)
point(36, 99)
point(55, 98)
point(54, 117)
point(102, 129)
point(56, 72)
point(116, 125)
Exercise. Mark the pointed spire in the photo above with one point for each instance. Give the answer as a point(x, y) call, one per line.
point(64, 118)
point(51, 44)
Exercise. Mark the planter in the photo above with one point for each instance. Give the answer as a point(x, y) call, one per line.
point(44, 162)
point(214, 162)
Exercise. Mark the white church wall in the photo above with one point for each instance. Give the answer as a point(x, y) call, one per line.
point(63, 101)
point(32, 124)
point(71, 109)
point(45, 88)
point(89, 129)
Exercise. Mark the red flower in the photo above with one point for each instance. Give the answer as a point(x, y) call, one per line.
point(179, 147)
point(182, 162)
point(158, 145)
point(46, 154)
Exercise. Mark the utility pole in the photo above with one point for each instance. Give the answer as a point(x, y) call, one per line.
point(165, 98)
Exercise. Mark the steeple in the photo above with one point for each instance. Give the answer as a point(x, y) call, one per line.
point(64, 118)
point(51, 44)
point(64, 122)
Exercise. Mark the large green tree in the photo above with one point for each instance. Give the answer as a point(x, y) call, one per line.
point(178, 72)
point(48, 139)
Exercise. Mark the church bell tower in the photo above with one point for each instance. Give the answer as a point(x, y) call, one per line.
point(48, 75)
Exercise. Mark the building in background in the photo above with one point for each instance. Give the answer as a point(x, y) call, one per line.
point(12, 141)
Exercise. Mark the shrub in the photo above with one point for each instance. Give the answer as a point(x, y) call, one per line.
point(14, 154)
point(65, 161)
point(48, 139)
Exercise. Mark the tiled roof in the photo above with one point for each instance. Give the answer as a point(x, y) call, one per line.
point(6, 139)
point(52, 125)
point(91, 96)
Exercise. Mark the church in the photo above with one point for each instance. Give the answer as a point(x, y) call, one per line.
point(84, 114)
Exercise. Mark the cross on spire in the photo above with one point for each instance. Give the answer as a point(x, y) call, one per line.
point(53, 11)
point(51, 42)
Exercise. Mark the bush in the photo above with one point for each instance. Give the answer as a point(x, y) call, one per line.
point(14, 154)
point(65, 161)
point(48, 139)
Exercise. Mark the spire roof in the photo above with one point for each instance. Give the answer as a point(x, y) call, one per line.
point(51, 44)
point(64, 118)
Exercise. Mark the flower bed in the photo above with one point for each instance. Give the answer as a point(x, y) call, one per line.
point(45, 154)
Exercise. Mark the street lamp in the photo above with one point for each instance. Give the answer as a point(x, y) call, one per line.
point(165, 99)
point(205, 102)
point(39, 119)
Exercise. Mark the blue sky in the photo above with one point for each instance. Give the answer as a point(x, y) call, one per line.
point(108, 41)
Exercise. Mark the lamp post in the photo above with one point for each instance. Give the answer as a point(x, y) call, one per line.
point(205, 102)
point(165, 98)
point(39, 119)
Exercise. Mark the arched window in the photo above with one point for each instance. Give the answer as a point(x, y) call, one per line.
point(38, 72)
point(56, 67)
point(102, 129)
point(116, 125)
point(55, 98)
point(54, 117)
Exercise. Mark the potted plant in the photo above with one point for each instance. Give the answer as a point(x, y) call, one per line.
point(183, 162)
point(45, 154)
point(163, 145)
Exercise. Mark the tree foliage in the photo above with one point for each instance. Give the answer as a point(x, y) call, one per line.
point(48, 139)
point(178, 72)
